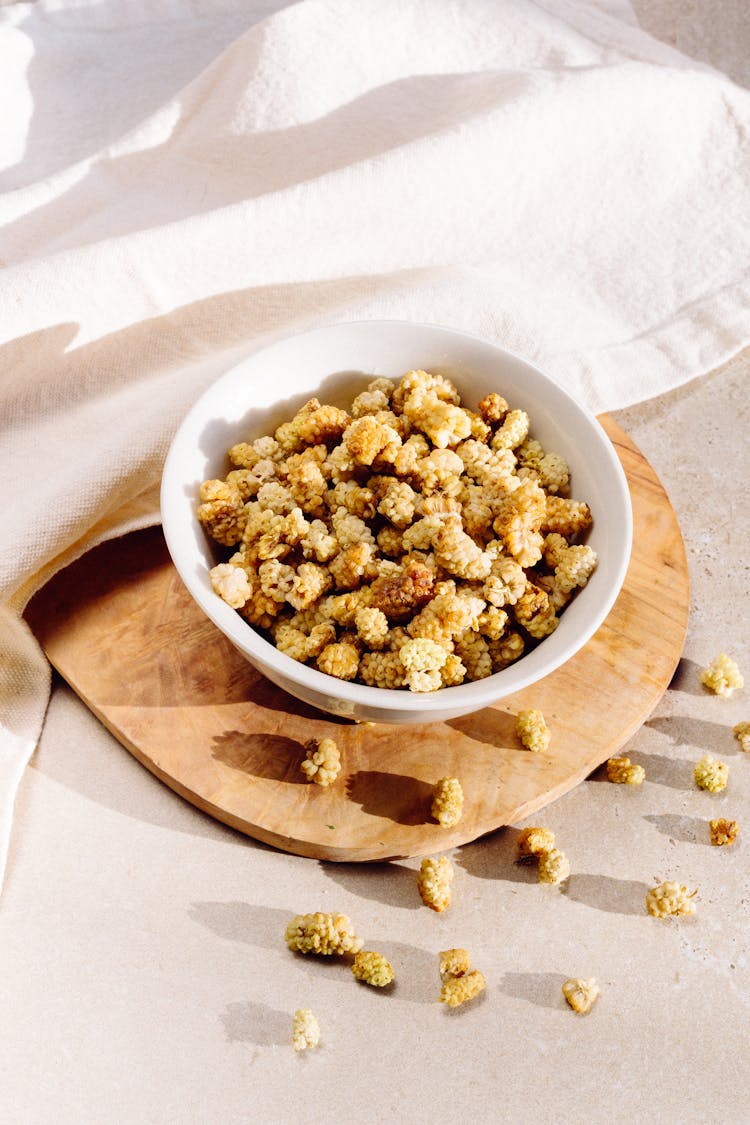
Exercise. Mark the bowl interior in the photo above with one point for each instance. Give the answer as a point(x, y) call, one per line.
point(334, 363)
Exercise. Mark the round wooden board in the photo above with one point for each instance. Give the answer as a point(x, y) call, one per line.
point(122, 630)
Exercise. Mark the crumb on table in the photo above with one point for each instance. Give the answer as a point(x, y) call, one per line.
point(742, 734)
point(580, 994)
point(723, 831)
point(305, 1030)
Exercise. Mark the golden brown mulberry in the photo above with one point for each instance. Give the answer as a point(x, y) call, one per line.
point(505, 651)
point(533, 731)
point(372, 626)
point(492, 622)
point(382, 669)
point(323, 934)
point(554, 866)
point(222, 511)
point(367, 440)
point(434, 883)
point(260, 609)
point(351, 565)
point(513, 431)
point(711, 774)
point(322, 425)
point(373, 968)
point(566, 517)
point(276, 579)
point(308, 487)
point(475, 654)
point(453, 671)
point(369, 402)
point(506, 582)
point(398, 504)
point(339, 660)
point(493, 408)
point(323, 762)
point(722, 676)
point(418, 384)
point(275, 496)
point(453, 963)
point(580, 994)
point(723, 831)
point(623, 772)
point(457, 990)
point(742, 734)
point(443, 423)
point(412, 451)
point(535, 613)
point(308, 584)
point(447, 801)
point(400, 596)
point(349, 529)
point(670, 899)
point(458, 553)
point(305, 1030)
point(390, 541)
point(439, 470)
point(318, 544)
point(549, 469)
point(534, 840)
point(422, 533)
point(301, 646)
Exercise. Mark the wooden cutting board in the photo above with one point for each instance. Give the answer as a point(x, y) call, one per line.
point(122, 630)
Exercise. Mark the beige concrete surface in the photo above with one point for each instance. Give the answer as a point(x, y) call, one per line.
point(145, 979)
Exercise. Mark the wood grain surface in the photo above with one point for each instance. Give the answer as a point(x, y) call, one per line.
point(122, 630)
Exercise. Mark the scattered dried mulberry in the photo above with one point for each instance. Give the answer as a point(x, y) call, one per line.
point(623, 772)
point(554, 866)
point(580, 994)
point(533, 731)
point(453, 963)
point(339, 660)
point(722, 676)
point(305, 1030)
point(742, 734)
point(534, 840)
point(231, 583)
point(323, 762)
point(457, 990)
point(670, 899)
point(434, 883)
point(373, 968)
point(447, 801)
point(723, 831)
point(711, 774)
point(323, 934)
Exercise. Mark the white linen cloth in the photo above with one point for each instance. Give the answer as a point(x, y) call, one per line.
point(184, 181)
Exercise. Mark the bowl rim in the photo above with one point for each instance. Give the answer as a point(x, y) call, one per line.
point(467, 696)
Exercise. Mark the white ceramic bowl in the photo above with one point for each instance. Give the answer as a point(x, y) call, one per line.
point(334, 363)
